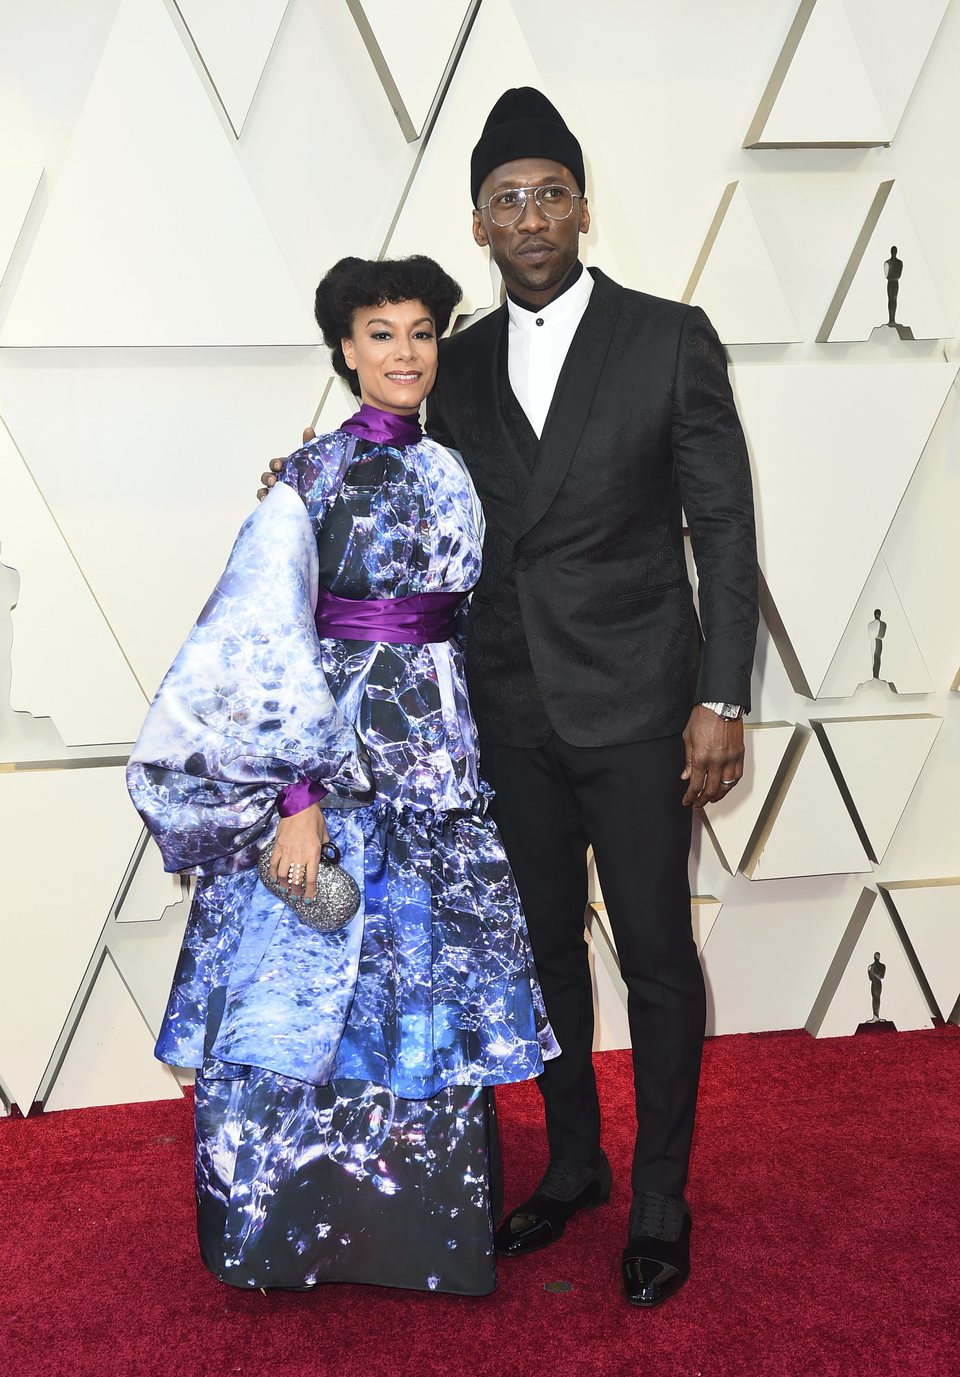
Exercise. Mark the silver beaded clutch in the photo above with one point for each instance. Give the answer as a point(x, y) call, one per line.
point(338, 896)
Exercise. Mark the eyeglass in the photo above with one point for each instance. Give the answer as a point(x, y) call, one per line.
point(507, 207)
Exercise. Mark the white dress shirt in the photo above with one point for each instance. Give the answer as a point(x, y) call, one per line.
point(537, 344)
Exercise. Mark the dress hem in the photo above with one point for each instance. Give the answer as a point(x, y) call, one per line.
point(244, 1068)
point(354, 1281)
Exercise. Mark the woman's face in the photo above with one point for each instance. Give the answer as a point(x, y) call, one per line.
point(393, 348)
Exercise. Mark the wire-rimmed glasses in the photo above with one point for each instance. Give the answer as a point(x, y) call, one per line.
point(556, 201)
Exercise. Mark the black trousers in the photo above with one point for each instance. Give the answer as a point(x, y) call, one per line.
point(553, 801)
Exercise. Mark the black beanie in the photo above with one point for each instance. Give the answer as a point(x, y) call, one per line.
point(524, 124)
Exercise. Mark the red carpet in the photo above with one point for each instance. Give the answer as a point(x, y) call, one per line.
point(826, 1242)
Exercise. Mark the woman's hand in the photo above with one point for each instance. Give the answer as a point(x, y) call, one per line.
point(296, 851)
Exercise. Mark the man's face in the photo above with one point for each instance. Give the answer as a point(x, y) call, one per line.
point(535, 254)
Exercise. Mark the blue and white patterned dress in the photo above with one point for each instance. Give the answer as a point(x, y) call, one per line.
point(342, 1105)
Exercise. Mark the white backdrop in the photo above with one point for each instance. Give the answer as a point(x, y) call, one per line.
point(174, 178)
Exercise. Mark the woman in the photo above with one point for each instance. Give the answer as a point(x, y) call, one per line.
point(342, 1111)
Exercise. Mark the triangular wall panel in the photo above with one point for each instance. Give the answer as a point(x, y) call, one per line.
point(833, 448)
point(411, 59)
point(808, 829)
point(146, 954)
point(705, 910)
point(109, 1059)
point(152, 235)
point(61, 902)
point(845, 999)
point(732, 821)
point(18, 186)
point(57, 622)
point(234, 43)
point(895, 41)
point(820, 93)
point(877, 651)
point(150, 892)
point(845, 73)
point(735, 280)
point(877, 762)
point(184, 441)
point(860, 305)
point(930, 913)
point(435, 218)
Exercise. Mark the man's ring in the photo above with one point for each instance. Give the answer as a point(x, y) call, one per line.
point(728, 783)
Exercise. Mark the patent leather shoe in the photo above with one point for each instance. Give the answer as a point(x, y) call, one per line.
point(656, 1260)
point(566, 1188)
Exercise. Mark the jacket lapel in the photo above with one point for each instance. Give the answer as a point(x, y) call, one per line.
point(572, 399)
point(499, 408)
point(500, 473)
point(524, 438)
point(488, 335)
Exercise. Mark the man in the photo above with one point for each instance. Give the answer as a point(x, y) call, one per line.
point(589, 415)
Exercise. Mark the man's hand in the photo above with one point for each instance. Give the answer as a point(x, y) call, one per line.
point(269, 478)
point(714, 749)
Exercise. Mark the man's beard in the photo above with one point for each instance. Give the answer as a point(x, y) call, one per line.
point(531, 281)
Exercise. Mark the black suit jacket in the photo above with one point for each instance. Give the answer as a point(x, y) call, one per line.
point(583, 621)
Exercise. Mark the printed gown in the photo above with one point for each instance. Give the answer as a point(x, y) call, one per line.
point(343, 1115)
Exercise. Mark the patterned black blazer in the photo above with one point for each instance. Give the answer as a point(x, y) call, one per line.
point(583, 621)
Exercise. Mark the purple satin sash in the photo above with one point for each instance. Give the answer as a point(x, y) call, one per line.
point(295, 797)
point(383, 427)
point(420, 619)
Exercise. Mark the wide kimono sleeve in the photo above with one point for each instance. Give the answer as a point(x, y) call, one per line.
point(245, 709)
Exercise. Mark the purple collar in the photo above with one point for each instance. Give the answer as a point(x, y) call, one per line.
point(383, 427)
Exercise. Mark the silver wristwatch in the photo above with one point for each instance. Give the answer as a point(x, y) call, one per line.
point(729, 711)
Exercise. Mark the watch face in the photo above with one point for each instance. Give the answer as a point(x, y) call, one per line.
point(729, 711)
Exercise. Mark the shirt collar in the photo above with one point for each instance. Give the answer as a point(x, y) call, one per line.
point(570, 303)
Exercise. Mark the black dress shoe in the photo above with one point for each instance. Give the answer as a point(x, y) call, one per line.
point(656, 1260)
point(566, 1188)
